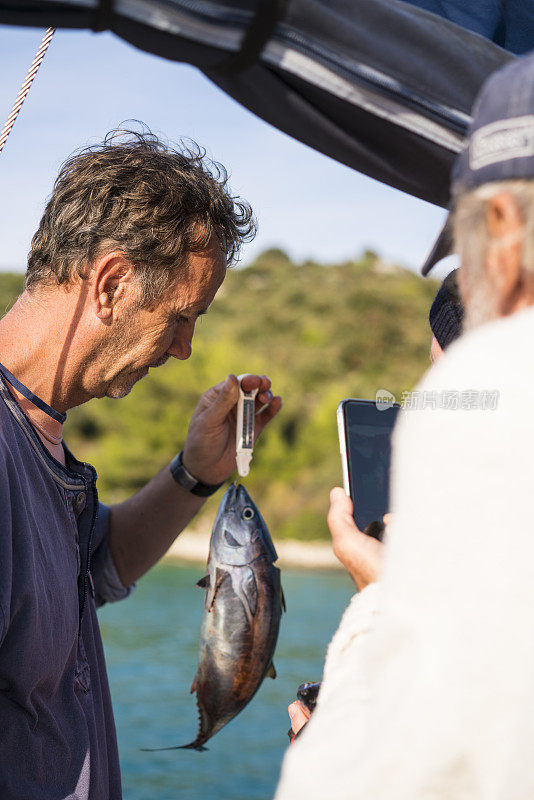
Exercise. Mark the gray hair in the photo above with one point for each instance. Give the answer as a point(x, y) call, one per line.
point(472, 242)
point(137, 194)
point(471, 235)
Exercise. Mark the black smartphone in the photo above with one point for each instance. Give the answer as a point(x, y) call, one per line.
point(364, 428)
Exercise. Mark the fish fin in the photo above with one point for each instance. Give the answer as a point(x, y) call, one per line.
point(194, 685)
point(203, 582)
point(220, 575)
point(283, 599)
point(271, 672)
point(250, 590)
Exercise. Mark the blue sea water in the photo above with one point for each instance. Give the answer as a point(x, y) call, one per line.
point(151, 645)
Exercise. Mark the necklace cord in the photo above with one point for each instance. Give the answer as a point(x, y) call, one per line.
point(33, 398)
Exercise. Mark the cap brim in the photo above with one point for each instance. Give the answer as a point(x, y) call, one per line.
point(443, 247)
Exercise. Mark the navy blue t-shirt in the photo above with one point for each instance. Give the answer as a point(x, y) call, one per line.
point(57, 733)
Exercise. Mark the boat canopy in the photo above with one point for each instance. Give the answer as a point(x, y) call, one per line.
point(383, 86)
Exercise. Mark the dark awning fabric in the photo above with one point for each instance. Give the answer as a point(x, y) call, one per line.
point(509, 24)
point(383, 86)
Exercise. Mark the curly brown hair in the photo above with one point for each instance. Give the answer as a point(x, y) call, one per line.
point(134, 193)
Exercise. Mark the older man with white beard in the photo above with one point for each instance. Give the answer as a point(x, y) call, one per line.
point(428, 689)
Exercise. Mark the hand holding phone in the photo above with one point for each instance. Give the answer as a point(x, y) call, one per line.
point(360, 554)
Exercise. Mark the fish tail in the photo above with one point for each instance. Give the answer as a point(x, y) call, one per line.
point(190, 746)
point(193, 746)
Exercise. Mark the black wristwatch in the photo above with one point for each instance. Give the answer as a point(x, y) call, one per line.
point(183, 478)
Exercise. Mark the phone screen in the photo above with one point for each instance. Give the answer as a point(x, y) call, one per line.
point(368, 451)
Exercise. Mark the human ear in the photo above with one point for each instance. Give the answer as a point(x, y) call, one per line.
point(504, 255)
point(112, 281)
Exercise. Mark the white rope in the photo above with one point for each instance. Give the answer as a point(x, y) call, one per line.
point(25, 88)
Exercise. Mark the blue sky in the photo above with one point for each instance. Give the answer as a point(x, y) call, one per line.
point(306, 203)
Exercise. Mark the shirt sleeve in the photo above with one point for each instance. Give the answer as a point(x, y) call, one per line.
point(108, 586)
point(332, 729)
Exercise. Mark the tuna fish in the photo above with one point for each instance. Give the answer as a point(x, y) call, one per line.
point(242, 610)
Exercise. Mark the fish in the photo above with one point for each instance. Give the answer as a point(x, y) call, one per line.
point(243, 605)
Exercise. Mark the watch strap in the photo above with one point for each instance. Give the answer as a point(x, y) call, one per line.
point(183, 478)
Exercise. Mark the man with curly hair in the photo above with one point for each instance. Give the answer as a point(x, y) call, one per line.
point(132, 247)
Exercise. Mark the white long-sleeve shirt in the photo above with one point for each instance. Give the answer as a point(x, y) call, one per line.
point(428, 690)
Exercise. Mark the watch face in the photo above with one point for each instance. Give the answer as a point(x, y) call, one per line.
point(181, 475)
point(184, 479)
point(187, 479)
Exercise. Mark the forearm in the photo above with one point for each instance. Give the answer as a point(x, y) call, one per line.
point(143, 527)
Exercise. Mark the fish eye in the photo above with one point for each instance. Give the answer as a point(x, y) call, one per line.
point(247, 512)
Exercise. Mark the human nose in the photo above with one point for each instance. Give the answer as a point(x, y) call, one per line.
point(181, 347)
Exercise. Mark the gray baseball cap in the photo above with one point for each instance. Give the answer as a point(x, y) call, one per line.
point(500, 144)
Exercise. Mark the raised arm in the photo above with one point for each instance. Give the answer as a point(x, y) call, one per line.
point(143, 527)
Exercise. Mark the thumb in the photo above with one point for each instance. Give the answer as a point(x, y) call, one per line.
point(340, 520)
point(226, 399)
point(340, 501)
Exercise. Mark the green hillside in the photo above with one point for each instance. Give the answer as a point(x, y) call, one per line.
point(321, 333)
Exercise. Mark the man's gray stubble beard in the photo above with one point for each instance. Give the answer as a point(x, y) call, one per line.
point(482, 306)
